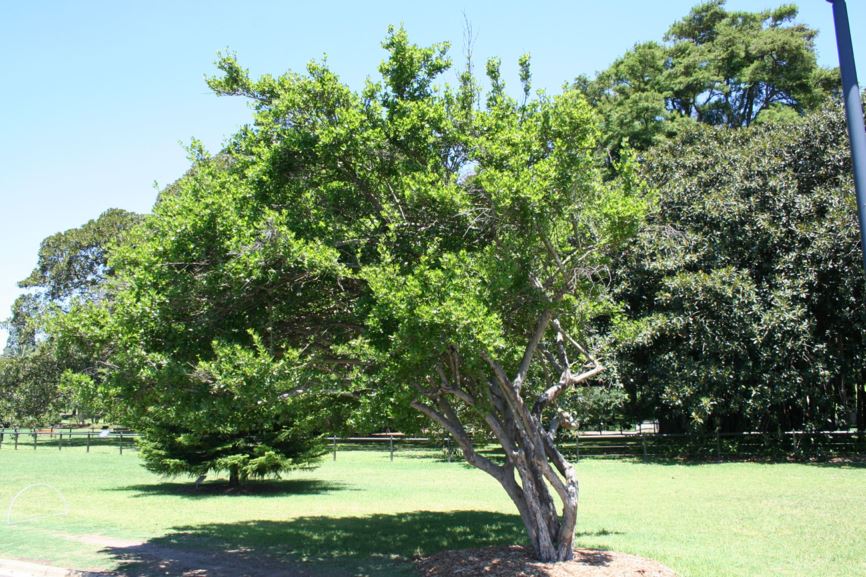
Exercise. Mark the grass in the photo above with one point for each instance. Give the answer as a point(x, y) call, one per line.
point(365, 515)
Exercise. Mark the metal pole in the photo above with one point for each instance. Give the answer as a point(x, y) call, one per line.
point(853, 111)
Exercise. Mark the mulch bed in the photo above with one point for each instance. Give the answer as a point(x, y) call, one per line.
point(514, 561)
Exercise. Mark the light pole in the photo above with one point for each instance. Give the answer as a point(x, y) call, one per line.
point(853, 111)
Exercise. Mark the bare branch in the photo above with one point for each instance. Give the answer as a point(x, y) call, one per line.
point(560, 345)
point(458, 433)
point(576, 380)
point(566, 380)
point(552, 252)
point(540, 328)
point(498, 371)
point(462, 395)
point(551, 359)
point(573, 342)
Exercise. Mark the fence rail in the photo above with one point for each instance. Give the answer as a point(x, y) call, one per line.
point(66, 438)
point(641, 444)
point(633, 443)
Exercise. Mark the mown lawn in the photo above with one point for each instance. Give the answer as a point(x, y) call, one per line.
point(365, 515)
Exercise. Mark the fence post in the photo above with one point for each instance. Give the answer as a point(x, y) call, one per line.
point(2, 434)
point(34, 440)
point(88, 442)
point(60, 444)
point(718, 445)
point(391, 446)
point(121, 442)
point(643, 445)
point(16, 439)
point(576, 445)
point(335, 446)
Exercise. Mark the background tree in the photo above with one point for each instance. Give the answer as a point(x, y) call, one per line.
point(745, 291)
point(718, 67)
point(73, 265)
point(71, 269)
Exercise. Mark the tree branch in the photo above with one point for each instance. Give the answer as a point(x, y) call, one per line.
point(458, 433)
point(540, 329)
point(566, 380)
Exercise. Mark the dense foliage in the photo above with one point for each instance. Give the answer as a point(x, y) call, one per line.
point(197, 332)
point(746, 291)
point(718, 67)
point(409, 245)
point(37, 379)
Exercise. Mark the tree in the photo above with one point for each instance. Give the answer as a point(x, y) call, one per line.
point(22, 325)
point(28, 368)
point(745, 290)
point(408, 246)
point(71, 269)
point(74, 264)
point(28, 387)
point(719, 67)
point(196, 336)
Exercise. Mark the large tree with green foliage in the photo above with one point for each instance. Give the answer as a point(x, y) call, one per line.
point(411, 245)
point(745, 291)
point(719, 67)
point(72, 268)
point(194, 334)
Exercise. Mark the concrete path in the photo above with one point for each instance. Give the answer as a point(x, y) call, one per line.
point(13, 568)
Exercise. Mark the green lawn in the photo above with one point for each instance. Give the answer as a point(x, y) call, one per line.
point(365, 515)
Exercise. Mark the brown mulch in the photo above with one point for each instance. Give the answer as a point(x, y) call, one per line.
point(514, 561)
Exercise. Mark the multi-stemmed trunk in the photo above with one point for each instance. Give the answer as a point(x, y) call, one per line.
point(534, 472)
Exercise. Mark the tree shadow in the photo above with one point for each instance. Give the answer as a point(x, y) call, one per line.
point(374, 546)
point(266, 488)
point(853, 462)
point(596, 533)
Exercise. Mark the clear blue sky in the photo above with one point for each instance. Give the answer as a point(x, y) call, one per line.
point(98, 95)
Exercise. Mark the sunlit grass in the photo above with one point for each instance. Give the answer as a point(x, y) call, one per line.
point(365, 514)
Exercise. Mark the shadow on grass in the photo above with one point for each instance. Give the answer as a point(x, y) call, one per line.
point(374, 546)
point(270, 488)
point(854, 462)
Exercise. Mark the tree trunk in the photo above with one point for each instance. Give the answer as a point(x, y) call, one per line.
point(550, 535)
point(234, 476)
point(535, 473)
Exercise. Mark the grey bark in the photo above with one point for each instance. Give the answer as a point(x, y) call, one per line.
point(535, 472)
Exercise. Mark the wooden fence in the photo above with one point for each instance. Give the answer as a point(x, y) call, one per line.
point(647, 445)
point(635, 443)
point(66, 438)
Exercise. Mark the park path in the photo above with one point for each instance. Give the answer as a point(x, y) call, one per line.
point(16, 568)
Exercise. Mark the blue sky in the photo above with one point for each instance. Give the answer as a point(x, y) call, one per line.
point(98, 95)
